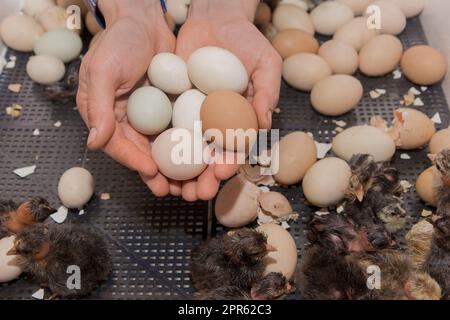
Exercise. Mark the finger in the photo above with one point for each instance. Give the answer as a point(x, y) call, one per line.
point(159, 185)
point(189, 191)
point(207, 184)
point(175, 188)
point(225, 171)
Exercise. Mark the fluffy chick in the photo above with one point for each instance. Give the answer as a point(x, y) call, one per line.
point(50, 250)
point(442, 162)
point(236, 259)
point(65, 91)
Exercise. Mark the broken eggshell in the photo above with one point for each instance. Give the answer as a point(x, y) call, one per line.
point(426, 184)
point(276, 206)
point(10, 266)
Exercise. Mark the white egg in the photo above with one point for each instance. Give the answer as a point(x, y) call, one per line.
point(393, 20)
point(168, 72)
point(215, 69)
point(61, 43)
point(329, 16)
point(186, 109)
point(178, 9)
point(75, 187)
point(10, 266)
point(178, 154)
point(34, 7)
point(410, 8)
point(20, 32)
point(45, 69)
point(149, 110)
point(289, 16)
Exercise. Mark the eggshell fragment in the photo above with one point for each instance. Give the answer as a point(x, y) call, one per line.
point(355, 33)
point(426, 184)
point(440, 141)
point(169, 73)
point(424, 65)
point(326, 182)
point(336, 95)
point(292, 157)
point(34, 7)
point(75, 187)
point(289, 16)
point(237, 204)
point(410, 8)
point(303, 70)
point(358, 6)
point(341, 57)
point(364, 140)
point(292, 41)
point(61, 43)
point(328, 16)
point(284, 260)
point(380, 55)
point(20, 32)
point(10, 266)
point(92, 24)
point(275, 204)
point(393, 20)
point(212, 69)
point(186, 109)
point(45, 69)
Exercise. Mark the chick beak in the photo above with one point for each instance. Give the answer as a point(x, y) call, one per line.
point(360, 193)
point(270, 248)
point(402, 212)
point(290, 288)
point(12, 252)
point(432, 157)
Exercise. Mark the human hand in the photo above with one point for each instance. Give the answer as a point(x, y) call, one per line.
point(110, 71)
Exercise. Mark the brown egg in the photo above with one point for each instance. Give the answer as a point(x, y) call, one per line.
point(92, 24)
point(289, 16)
point(424, 65)
point(303, 70)
point(222, 110)
point(292, 157)
point(425, 184)
point(341, 57)
point(80, 3)
point(294, 41)
point(355, 33)
point(440, 141)
point(263, 14)
point(380, 55)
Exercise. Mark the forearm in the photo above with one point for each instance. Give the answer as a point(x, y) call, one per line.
point(220, 9)
point(113, 10)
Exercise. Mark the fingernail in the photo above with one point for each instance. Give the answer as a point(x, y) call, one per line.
point(269, 118)
point(92, 136)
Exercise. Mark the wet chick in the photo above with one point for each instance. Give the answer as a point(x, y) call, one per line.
point(14, 218)
point(419, 240)
point(65, 91)
point(442, 162)
point(49, 251)
point(388, 209)
point(236, 259)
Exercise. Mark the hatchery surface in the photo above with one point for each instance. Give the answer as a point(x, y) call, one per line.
point(151, 238)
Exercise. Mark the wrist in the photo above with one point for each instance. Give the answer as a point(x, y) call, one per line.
point(223, 10)
point(147, 10)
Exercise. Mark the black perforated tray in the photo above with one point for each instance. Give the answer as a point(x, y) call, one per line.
point(151, 238)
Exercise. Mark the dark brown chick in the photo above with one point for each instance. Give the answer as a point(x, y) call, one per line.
point(442, 162)
point(236, 259)
point(14, 218)
point(65, 91)
point(49, 251)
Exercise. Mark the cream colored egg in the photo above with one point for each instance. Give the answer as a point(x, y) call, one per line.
point(169, 73)
point(178, 9)
point(440, 141)
point(237, 203)
point(336, 95)
point(149, 110)
point(364, 140)
point(410, 8)
point(61, 43)
point(45, 69)
point(92, 24)
point(303, 70)
point(284, 259)
point(380, 55)
point(292, 157)
point(329, 16)
point(214, 69)
point(76, 187)
point(178, 154)
point(34, 7)
point(289, 16)
point(20, 32)
point(10, 266)
point(426, 185)
point(393, 20)
point(355, 33)
point(358, 6)
point(186, 109)
point(55, 18)
point(341, 57)
point(326, 182)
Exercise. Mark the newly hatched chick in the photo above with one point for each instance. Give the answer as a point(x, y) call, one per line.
point(14, 218)
point(65, 91)
point(419, 240)
point(442, 162)
point(236, 259)
point(273, 286)
point(49, 251)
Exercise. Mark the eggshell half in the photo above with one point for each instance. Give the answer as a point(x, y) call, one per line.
point(426, 184)
point(10, 266)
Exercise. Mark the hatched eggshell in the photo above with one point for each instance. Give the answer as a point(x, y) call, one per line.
point(329, 16)
point(364, 140)
point(336, 95)
point(275, 204)
point(92, 24)
point(263, 14)
point(178, 9)
point(358, 6)
point(178, 153)
point(393, 20)
point(289, 42)
point(355, 33)
point(236, 204)
point(80, 3)
point(45, 69)
point(284, 260)
point(341, 57)
point(303, 70)
point(410, 8)
point(212, 69)
point(440, 141)
point(289, 16)
point(186, 109)
point(20, 32)
point(380, 55)
point(292, 157)
point(75, 187)
point(10, 268)
point(415, 129)
point(424, 65)
point(34, 7)
point(326, 182)
point(426, 184)
point(61, 43)
point(169, 73)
